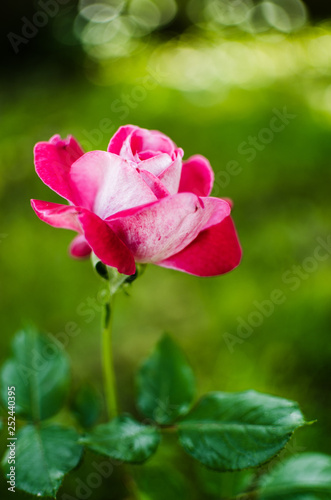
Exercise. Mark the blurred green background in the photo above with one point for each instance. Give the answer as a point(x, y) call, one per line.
point(211, 75)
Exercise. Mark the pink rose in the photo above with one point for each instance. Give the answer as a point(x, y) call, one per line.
point(138, 202)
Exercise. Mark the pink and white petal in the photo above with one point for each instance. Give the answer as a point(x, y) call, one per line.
point(108, 184)
point(154, 184)
point(143, 139)
point(178, 152)
point(116, 142)
point(105, 243)
point(79, 248)
point(56, 215)
point(87, 174)
point(157, 164)
point(159, 230)
point(215, 251)
point(146, 155)
point(53, 160)
point(170, 177)
point(229, 201)
point(215, 206)
point(197, 176)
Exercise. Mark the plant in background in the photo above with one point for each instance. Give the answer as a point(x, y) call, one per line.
point(135, 204)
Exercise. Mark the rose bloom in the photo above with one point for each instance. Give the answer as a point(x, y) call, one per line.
point(138, 202)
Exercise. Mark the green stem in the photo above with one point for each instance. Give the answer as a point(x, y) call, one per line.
point(108, 362)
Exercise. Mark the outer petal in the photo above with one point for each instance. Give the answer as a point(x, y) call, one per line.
point(116, 142)
point(105, 244)
point(215, 206)
point(159, 230)
point(56, 215)
point(215, 251)
point(107, 183)
point(53, 160)
point(197, 176)
point(79, 247)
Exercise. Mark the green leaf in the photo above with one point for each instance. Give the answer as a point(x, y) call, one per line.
point(165, 383)
point(43, 456)
point(124, 439)
point(87, 405)
point(230, 432)
point(302, 477)
point(39, 371)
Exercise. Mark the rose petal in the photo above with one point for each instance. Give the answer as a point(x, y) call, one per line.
point(157, 164)
point(170, 177)
point(131, 141)
point(197, 176)
point(215, 251)
point(79, 248)
point(53, 160)
point(159, 230)
point(154, 184)
point(105, 243)
point(108, 184)
point(64, 216)
point(116, 142)
point(142, 139)
point(216, 209)
point(147, 154)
